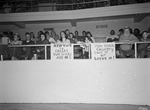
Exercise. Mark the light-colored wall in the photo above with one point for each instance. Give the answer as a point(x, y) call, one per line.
point(123, 81)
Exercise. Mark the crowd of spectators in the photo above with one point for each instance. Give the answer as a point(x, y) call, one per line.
point(126, 36)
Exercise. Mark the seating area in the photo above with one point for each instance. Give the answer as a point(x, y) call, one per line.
point(40, 46)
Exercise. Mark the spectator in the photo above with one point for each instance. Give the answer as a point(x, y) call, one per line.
point(113, 37)
point(144, 49)
point(129, 39)
point(88, 33)
point(38, 35)
point(49, 37)
point(72, 38)
point(67, 33)
point(137, 33)
point(148, 30)
point(5, 40)
point(121, 31)
point(16, 51)
point(76, 37)
point(33, 38)
point(4, 50)
point(63, 38)
point(27, 51)
point(54, 35)
point(41, 50)
point(84, 33)
point(82, 38)
point(86, 49)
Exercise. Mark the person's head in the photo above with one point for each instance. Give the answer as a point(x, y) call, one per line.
point(76, 33)
point(31, 34)
point(88, 33)
point(144, 35)
point(136, 31)
point(83, 33)
point(112, 32)
point(27, 35)
point(43, 36)
point(53, 33)
point(67, 32)
point(63, 35)
point(46, 33)
point(71, 35)
point(127, 31)
point(121, 31)
point(16, 37)
point(5, 33)
point(39, 32)
point(11, 33)
point(88, 39)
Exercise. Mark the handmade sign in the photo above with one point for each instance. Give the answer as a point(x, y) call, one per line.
point(61, 52)
point(103, 51)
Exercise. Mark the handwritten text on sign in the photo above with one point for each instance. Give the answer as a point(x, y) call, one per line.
point(61, 51)
point(103, 51)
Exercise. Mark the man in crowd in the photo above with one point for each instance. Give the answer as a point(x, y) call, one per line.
point(27, 51)
point(129, 39)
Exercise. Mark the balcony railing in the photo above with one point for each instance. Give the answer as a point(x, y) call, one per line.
point(15, 6)
point(75, 51)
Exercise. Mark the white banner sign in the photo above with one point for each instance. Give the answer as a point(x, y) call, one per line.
point(61, 52)
point(103, 51)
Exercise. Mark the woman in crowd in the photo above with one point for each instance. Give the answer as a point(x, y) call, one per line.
point(67, 33)
point(72, 38)
point(144, 48)
point(88, 33)
point(41, 50)
point(16, 51)
point(49, 37)
point(54, 35)
point(63, 38)
point(33, 38)
point(38, 35)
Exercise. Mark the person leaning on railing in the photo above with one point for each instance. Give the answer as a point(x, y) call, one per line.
point(144, 48)
point(63, 38)
point(4, 50)
point(86, 49)
point(27, 52)
point(129, 39)
point(40, 51)
point(16, 51)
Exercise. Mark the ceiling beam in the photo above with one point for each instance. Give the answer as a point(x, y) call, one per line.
point(20, 25)
point(139, 17)
point(73, 23)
